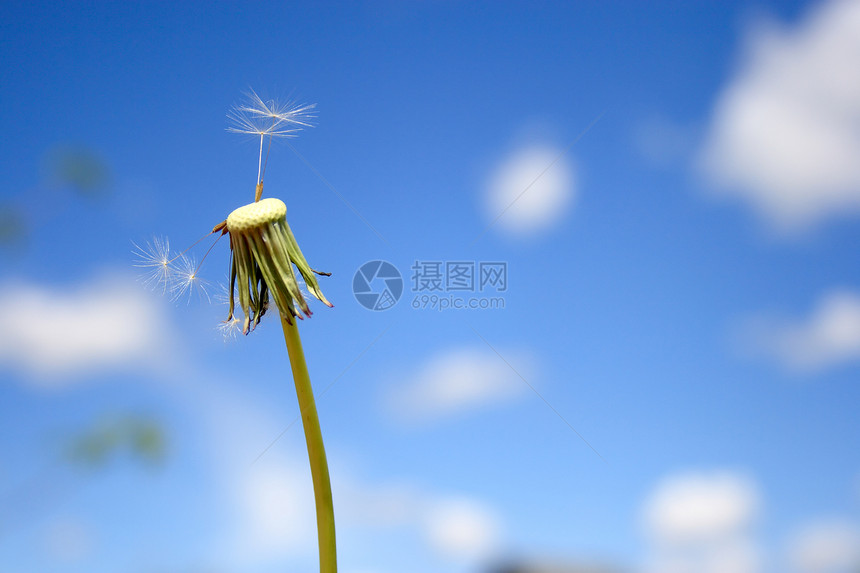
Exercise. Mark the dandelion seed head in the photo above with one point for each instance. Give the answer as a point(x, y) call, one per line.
point(261, 118)
point(154, 256)
point(230, 328)
point(187, 281)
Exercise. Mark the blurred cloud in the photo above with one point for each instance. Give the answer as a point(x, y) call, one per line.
point(277, 516)
point(266, 505)
point(68, 539)
point(462, 529)
point(457, 528)
point(785, 132)
point(830, 335)
point(270, 503)
point(700, 506)
point(456, 381)
point(702, 523)
point(379, 505)
point(553, 567)
point(531, 189)
point(826, 547)
point(56, 333)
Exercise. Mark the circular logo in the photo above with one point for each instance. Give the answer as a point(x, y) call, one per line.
point(377, 285)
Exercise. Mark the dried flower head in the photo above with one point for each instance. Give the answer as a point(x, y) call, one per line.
point(263, 248)
point(264, 251)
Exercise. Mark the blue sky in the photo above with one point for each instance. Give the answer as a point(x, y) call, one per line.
point(674, 191)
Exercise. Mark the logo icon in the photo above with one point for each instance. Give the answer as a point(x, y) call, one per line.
point(377, 285)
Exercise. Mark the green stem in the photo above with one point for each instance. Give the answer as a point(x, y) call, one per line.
point(316, 451)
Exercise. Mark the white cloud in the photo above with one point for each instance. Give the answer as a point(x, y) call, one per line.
point(462, 529)
point(531, 190)
point(277, 520)
point(385, 505)
point(55, 333)
point(700, 506)
point(785, 131)
point(826, 547)
point(458, 528)
point(266, 509)
point(276, 511)
point(829, 336)
point(459, 380)
point(725, 556)
point(701, 523)
point(270, 504)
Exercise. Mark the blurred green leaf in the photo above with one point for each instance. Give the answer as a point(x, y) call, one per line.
point(13, 228)
point(79, 168)
point(148, 441)
point(143, 438)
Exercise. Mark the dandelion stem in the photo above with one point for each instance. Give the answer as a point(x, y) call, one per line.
point(316, 451)
point(260, 162)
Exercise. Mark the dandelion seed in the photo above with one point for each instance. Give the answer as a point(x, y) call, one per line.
point(289, 112)
point(260, 118)
point(155, 256)
point(230, 328)
point(187, 281)
point(271, 119)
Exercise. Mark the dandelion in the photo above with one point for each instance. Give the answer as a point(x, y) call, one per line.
point(263, 255)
